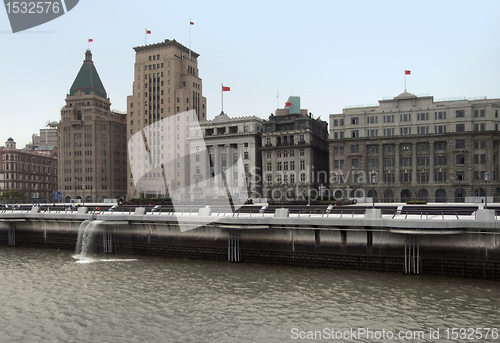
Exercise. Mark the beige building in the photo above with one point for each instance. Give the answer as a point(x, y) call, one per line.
point(92, 141)
point(33, 172)
point(414, 147)
point(225, 156)
point(167, 98)
point(294, 154)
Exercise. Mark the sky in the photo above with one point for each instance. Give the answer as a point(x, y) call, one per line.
point(332, 54)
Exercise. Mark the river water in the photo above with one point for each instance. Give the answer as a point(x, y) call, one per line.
point(47, 296)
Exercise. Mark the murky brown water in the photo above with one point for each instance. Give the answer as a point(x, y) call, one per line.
point(46, 296)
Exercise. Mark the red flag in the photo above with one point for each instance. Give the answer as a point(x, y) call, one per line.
point(226, 89)
point(288, 104)
point(90, 40)
point(148, 32)
point(191, 23)
point(407, 72)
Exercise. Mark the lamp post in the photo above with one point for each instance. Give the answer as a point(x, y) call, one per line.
point(486, 178)
point(373, 177)
point(140, 194)
point(83, 194)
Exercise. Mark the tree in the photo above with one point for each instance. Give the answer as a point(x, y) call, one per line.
point(14, 194)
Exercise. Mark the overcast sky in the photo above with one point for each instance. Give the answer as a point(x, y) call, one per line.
point(332, 54)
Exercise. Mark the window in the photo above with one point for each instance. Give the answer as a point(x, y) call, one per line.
point(389, 148)
point(279, 166)
point(440, 115)
point(355, 120)
point(372, 132)
point(460, 114)
point(440, 160)
point(372, 149)
point(422, 161)
point(460, 144)
point(302, 165)
point(440, 129)
point(423, 177)
point(422, 130)
point(460, 159)
point(422, 116)
point(405, 177)
point(354, 163)
point(245, 155)
point(354, 133)
point(354, 149)
point(406, 147)
point(269, 166)
point(405, 117)
point(440, 176)
point(440, 146)
point(389, 162)
point(423, 146)
point(405, 161)
point(389, 118)
point(389, 132)
point(460, 128)
point(389, 178)
point(292, 165)
point(405, 130)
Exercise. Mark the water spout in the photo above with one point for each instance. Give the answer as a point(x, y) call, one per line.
point(85, 238)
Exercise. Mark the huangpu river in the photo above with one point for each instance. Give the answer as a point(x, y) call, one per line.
point(49, 296)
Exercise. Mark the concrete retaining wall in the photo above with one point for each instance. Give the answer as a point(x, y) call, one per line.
point(472, 255)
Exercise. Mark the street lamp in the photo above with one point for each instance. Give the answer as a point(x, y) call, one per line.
point(486, 178)
point(374, 179)
point(140, 194)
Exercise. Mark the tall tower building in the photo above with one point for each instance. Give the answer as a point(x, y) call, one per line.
point(92, 141)
point(167, 98)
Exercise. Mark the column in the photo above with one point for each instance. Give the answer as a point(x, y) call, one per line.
point(414, 164)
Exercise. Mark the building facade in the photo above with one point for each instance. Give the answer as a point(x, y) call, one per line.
point(294, 154)
point(91, 141)
point(32, 172)
point(415, 148)
point(227, 158)
point(167, 98)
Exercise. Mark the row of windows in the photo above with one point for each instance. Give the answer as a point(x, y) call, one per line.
point(405, 117)
point(407, 130)
point(407, 147)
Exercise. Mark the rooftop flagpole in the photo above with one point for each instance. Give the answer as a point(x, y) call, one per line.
point(191, 23)
point(407, 72)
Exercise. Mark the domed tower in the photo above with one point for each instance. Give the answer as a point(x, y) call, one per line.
point(10, 144)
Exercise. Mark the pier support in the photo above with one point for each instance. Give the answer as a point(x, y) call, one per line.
point(413, 263)
point(12, 235)
point(107, 237)
point(233, 246)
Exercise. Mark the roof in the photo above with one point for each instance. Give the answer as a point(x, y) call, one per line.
point(88, 79)
point(166, 43)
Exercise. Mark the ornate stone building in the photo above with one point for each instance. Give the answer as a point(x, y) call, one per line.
point(92, 141)
point(414, 147)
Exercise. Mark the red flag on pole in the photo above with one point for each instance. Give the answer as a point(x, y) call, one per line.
point(226, 89)
point(407, 72)
point(191, 23)
point(90, 40)
point(148, 32)
point(288, 104)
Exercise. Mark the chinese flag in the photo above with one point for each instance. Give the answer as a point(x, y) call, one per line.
point(226, 89)
point(407, 72)
point(191, 23)
point(288, 104)
point(90, 40)
point(148, 32)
